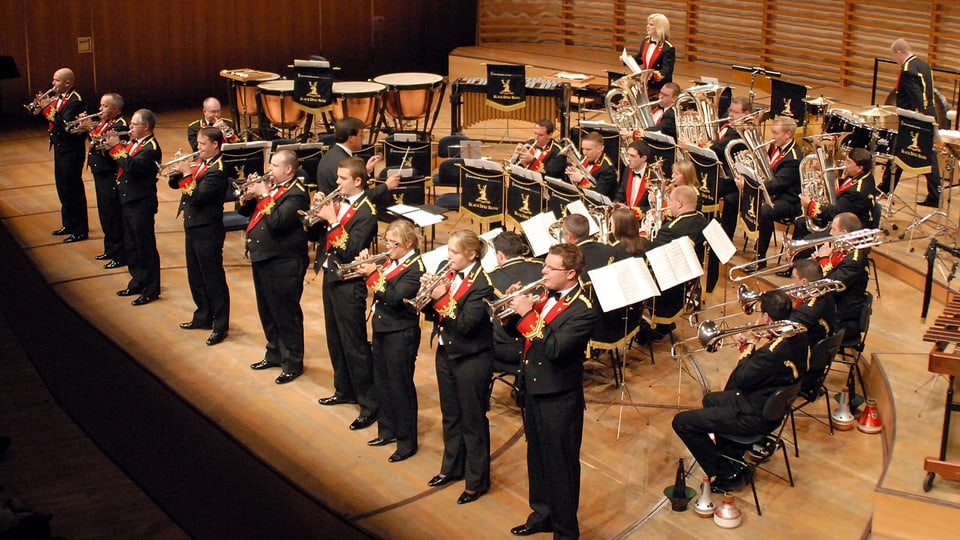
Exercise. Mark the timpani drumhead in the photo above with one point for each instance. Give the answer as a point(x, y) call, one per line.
point(410, 96)
point(276, 88)
point(409, 80)
point(278, 105)
point(357, 88)
point(359, 99)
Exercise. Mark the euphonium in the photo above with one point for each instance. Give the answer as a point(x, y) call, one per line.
point(422, 298)
point(74, 126)
point(753, 164)
point(308, 218)
point(500, 308)
point(240, 187)
point(352, 270)
point(628, 104)
point(711, 336)
point(818, 179)
point(653, 219)
point(575, 160)
point(34, 106)
point(166, 168)
point(699, 125)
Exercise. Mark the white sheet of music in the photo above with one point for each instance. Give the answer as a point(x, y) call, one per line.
point(623, 283)
point(630, 62)
point(421, 217)
point(719, 242)
point(537, 231)
point(489, 261)
point(694, 149)
point(675, 263)
point(483, 164)
point(526, 174)
point(433, 259)
point(597, 198)
point(577, 207)
point(659, 137)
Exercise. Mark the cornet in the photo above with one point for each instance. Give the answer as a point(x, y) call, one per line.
point(34, 106)
point(308, 218)
point(166, 168)
point(500, 308)
point(224, 128)
point(239, 188)
point(74, 126)
point(515, 158)
point(423, 298)
point(352, 270)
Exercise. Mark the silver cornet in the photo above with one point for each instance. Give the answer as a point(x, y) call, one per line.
point(423, 298)
point(308, 218)
point(500, 308)
point(240, 187)
point(224, 128)
point(166, 168)
point(34, 106)
point(75, 127)
point(352, 270)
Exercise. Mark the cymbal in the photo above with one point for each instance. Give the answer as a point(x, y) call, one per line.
point(879, 111)
point(819, 101)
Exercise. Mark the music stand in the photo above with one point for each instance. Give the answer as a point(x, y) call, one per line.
point(8, 70)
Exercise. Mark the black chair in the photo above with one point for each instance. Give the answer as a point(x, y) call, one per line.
point(851, 350)
point(775, 411)
point(877, 214)
point(812, 384)
point(232, 220)
point(508, 374)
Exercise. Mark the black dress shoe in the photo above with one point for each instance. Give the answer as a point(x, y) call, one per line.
point(287, 376)
point(362, 422)
point(381, 441)
point(336, 400)
point(196, 326)
point(102, 257)
point(932, 203)
point(467, 497)
point(527, 530)
point(400, 456)
point(728, 483)
point(440, 480)
point(61, 231)
point(114, 264)
point(216, 337)
point(75, 238)
point(263, 364)
point(128, 292)
point(143, 300)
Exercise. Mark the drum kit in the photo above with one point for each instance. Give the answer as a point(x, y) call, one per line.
point(396, 102)
point(846, 129)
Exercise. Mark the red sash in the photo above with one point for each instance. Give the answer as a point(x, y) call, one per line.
point(775, 156)
point(265, 206)
point(591, 168)
point(537, 163)
point(334, 237)
point(446, 305)
point(847, 184)
point(189, 183)
point(558, 308)
point(131, 149)
point(50, 112)
point(657, 114)
point(377, 279)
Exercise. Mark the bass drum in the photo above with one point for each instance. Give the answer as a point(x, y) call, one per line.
point(939, 104)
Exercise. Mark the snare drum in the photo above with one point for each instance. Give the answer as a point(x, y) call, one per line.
point(359, 99)
point(884, 142)
point(410, 96)
point(276, 98)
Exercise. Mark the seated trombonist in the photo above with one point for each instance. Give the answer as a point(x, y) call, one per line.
point(596, 171)
point(817, 313)
point(767, 362)
point(849, 265)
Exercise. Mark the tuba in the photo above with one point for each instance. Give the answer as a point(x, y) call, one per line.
point(818, 178)
point(753, 163)
point(696, 113)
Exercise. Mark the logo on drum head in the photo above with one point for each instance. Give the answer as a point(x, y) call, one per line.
point(482, 194)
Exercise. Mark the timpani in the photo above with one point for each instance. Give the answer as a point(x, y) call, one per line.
point(358, 99)
point(276, 99)
point(412, 96)
point(245, 82)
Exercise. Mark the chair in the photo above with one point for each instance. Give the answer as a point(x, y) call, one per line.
point(812, 383)
point(232, 220)
point(775, 410)
point(877, 214)
point(615, 329)
point(855, 344)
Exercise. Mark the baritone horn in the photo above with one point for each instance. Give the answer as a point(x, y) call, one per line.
point(34, 106)
point(352, 270)
point(308, 217)
point(818, 179)
point(500, 308)
point(423, 298)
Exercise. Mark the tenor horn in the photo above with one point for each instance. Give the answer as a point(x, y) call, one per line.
point(575, 160)
point(818, 179)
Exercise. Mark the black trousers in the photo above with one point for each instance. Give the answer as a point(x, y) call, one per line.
point(68, 176)
point(394, 361)
point(344, 307)
point(780, 211)
point(719, 415)
point(203, 247)
point(108, 210)
point(554, 429)
point(278, 284)
point(464, 385)
point(140, 246)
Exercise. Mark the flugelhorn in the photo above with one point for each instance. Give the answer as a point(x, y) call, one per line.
point(74, 126)
point(423, 298)
point(859, 239)
point(240, 187)
point(575, 160)
point(308, 217)
point(500, 308)
point(166, 168)
point(352, 270)
point(34, 106)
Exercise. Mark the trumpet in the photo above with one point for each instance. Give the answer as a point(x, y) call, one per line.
point(74, 126)
point(422, 298)
point(352, 270)
point(166, 168)
point(34, 106)
point(240, 187)
point(500, 308)
point(859, 239)
point(308, 218)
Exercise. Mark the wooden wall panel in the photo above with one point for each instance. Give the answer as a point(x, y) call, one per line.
point(13, 42)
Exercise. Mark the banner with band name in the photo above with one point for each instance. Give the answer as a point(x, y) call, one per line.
point(708, 180)
point(750, 210)
point(559, 196)
point(786, 99)
point(481, 194)
point(524, 199)
point(313, 83)
point(506, 87)
point(661, 151)
point(914, 141)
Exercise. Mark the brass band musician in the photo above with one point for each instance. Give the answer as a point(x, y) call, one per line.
point(104, 170)
point(850, 267)
point(855, 193)
point(68, 154)
point(819, 313)
point(541, 153)
point(601, 169)
point(211, 118)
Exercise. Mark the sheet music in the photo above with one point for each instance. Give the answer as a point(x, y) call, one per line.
point(527, 174)
point(564, 184)
point(537, 231)
point(719, 242)
point(489, 260)
point(577, 207)
point(630, 62)
point(421, 217)
point(694, 149)
point(599, 125)
point(659, 137)
point(623, 283)
point(484, 164)
point(597, 198)
point(675, 263)
point(311, 63)
point(433, 259)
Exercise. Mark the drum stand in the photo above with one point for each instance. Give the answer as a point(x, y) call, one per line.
point(938, 219)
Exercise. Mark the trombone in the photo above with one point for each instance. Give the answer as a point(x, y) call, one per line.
point(34, 106)
point(500, 308)
point(748, 299)
point(423, 298)
point(859, 239)
point(711, 335)
point(352, 270)
point(308, 218)
point(74, 126)
point(166, 168)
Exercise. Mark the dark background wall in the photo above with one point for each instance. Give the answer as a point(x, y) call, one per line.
point(169, 54)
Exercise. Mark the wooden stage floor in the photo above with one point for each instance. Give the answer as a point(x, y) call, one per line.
point(623, 475)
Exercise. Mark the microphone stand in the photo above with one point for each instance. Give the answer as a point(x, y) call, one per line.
point(754, 71)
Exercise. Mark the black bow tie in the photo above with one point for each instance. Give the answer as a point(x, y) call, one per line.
point(460, 275)
point(554, 294)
